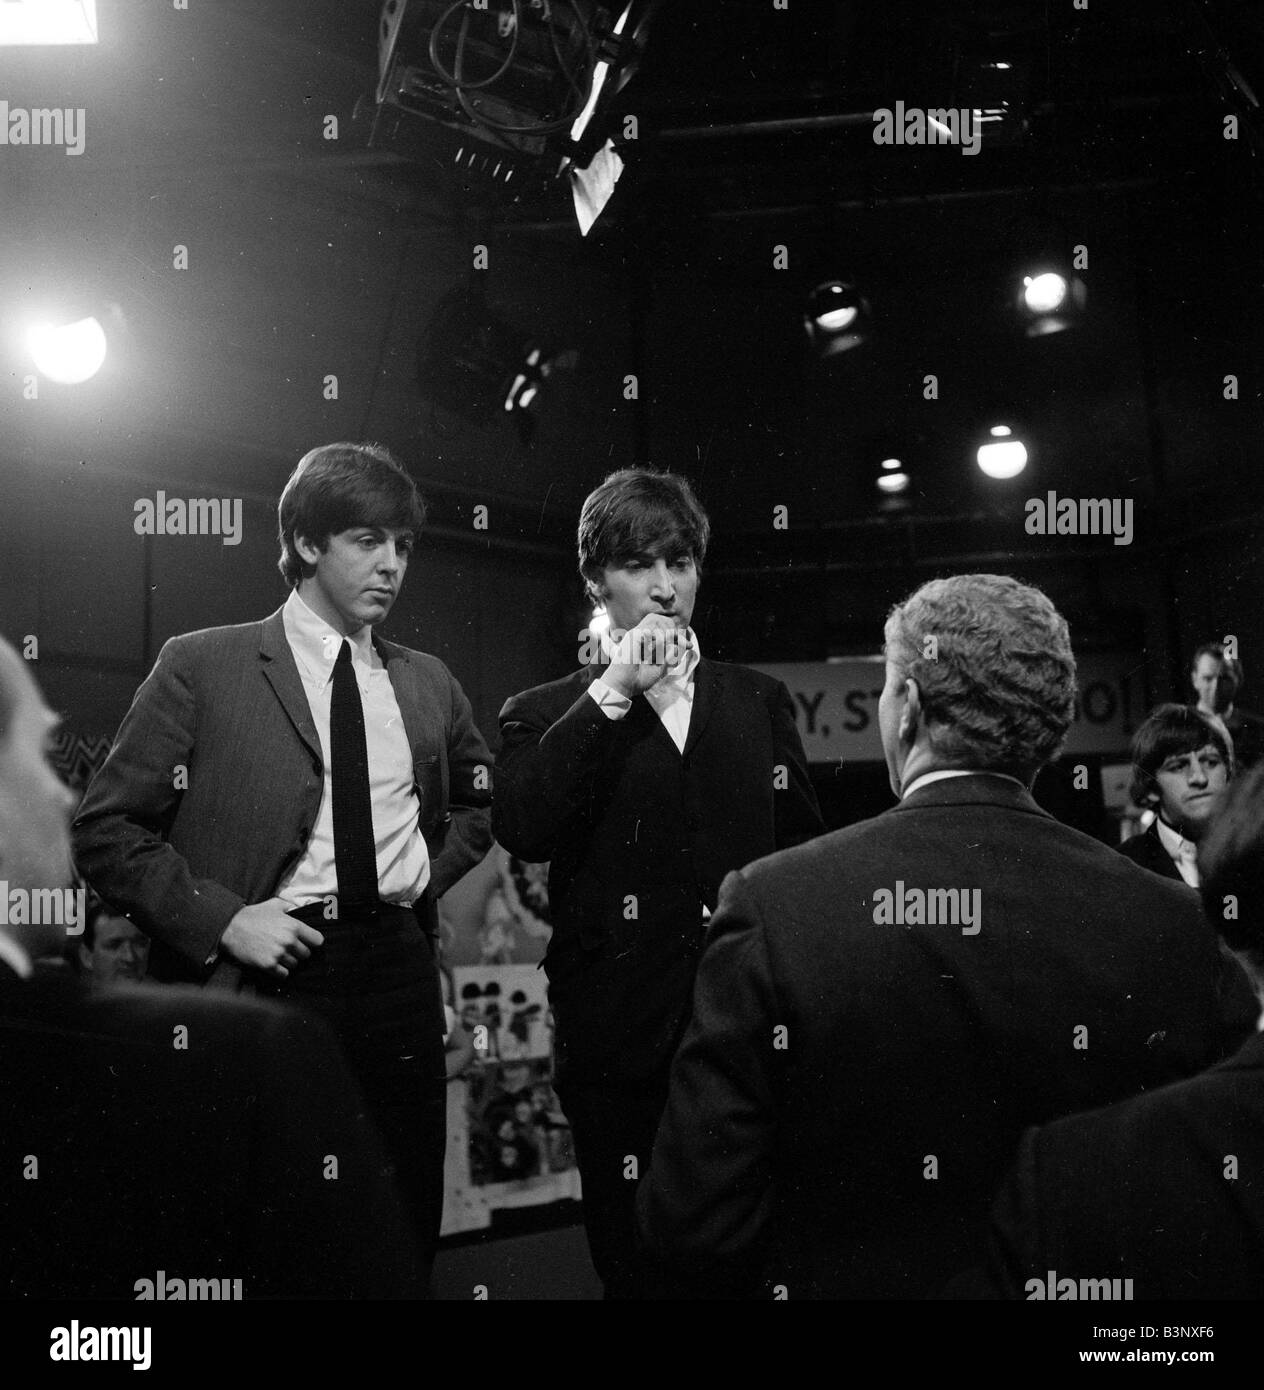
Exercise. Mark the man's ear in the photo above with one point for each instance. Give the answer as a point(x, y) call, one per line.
point(306, 550)
point(85, 956)
point(911, 714)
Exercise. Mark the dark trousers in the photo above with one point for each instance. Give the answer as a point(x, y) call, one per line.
point(614, 1120)
point(375, 981)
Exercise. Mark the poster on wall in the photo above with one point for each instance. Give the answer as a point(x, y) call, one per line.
point(509, 1144)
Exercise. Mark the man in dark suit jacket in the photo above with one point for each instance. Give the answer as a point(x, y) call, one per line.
point(150, 1130)
point(221, 826)
point(1217, 679)
point(642, 781)
point(879, 1014)
point(1165, 1191)
point(1181, 764)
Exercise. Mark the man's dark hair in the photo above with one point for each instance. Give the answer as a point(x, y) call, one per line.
point(337, 487)
point(1231, 664)
point(1170, 731)
point(998, 682)
point(639, 512)
point(1231, 866)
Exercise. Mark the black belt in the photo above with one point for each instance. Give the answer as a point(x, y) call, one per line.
point(377, 915)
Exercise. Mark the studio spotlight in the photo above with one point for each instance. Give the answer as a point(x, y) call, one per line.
point(893, 483)
point(507, 92)
point(68, 352)
point(1044, 293)
point(1049, 301)
point(1003, 456)
point(837, 318)
point(47, 22)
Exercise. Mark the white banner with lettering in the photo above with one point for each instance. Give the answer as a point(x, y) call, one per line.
point(836, 705)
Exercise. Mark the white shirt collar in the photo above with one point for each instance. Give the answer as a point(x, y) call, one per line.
point(15, 956)
point(928, 777)
point(316, 645)
point(1175, 843)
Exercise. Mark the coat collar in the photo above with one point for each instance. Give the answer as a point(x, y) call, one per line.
point(281, 672)
point(978, 789)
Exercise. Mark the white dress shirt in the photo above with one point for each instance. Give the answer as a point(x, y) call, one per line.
point(403, 862)
point(1184, 852)
point(671, 696)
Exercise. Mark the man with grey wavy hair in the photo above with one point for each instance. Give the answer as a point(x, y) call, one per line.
point(981, 666)
point(878, 1011)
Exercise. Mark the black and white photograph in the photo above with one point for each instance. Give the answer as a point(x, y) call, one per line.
point(631, 669)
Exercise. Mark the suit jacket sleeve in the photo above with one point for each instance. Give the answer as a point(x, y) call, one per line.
point(546, 771)
point(798, 814)
point(1013, 1250)
point(121, 827)
point(464, 834)
point(705, 1204)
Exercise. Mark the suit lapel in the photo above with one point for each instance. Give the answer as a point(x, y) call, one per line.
point(706, 694)
point(421, 734)
point(281, 673)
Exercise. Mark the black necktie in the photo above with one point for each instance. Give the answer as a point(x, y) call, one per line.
point(355, 850)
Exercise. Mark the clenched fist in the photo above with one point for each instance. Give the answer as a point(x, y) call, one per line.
point(266, 937)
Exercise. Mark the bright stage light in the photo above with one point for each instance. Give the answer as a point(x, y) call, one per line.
point(890, 464)
point(836, 318)
point(1006, 458)
point(1050, 302)
point(68, 353)
point(893, 483)
point(47, 21)
point(1043, 294)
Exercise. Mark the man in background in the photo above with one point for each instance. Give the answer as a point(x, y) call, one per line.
point(1181, 765)
point(112, 949)
point(1217, 680)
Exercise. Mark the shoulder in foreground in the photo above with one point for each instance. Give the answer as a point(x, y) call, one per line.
point(131, 1009)
point(1150, 1117)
